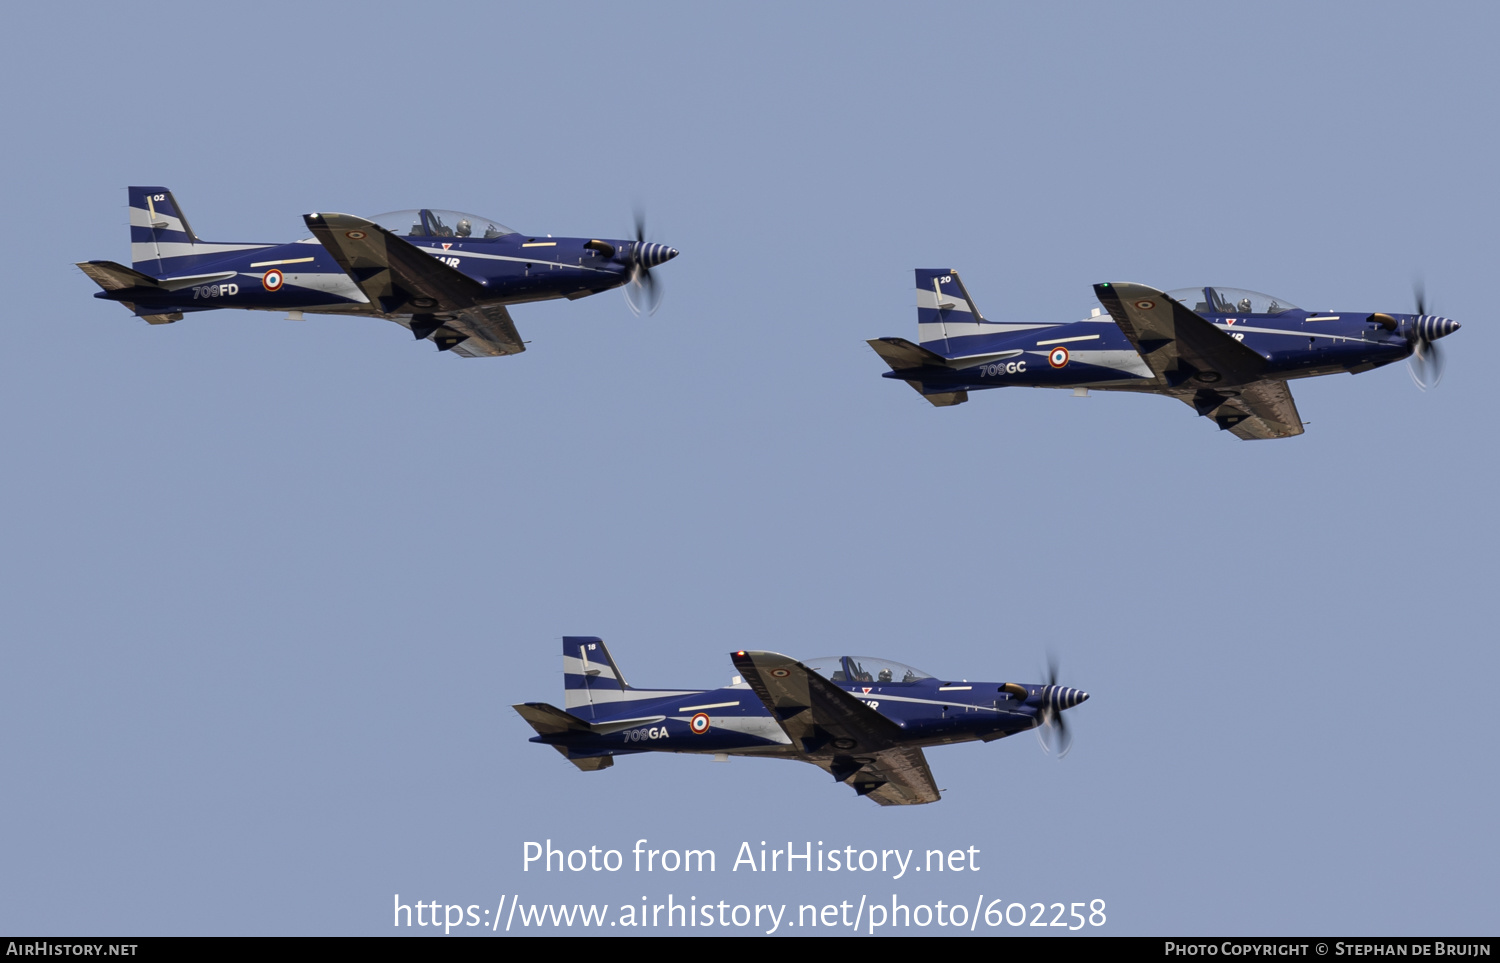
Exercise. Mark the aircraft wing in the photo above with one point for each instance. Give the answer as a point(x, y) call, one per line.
point(838, 732)
point(1264, 409)
point(491, 332)
point(393, 273)
point(400, 278)
point(899, 777)
point(1176, 343)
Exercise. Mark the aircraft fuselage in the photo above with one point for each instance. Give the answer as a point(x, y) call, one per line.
point(1095, 353)
point(303, 275)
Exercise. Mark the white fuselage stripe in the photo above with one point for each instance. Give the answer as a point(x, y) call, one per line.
point(1081, 337)
point(439, 252)
point(289, 260)
point(1236, 328)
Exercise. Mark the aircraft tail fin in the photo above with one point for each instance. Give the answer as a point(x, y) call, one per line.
point(942, 300)
point(593, 686)
point(589, 672)
point(158, 228)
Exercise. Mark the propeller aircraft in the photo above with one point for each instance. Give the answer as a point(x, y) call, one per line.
point(1227, 353)
point(444, 275)
point(864, 721)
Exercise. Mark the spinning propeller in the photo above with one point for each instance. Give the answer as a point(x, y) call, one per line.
point(642, 291)
point(1055, 698)
point(1423, 331)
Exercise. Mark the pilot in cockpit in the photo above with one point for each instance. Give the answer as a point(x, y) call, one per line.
point(1244, 306)
point(464, 228)
point(885, 674)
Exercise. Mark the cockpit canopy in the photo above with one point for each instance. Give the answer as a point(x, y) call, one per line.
point(861, 668)
point(430, 222)
point(1230, 301)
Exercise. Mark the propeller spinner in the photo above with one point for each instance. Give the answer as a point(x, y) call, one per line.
point(1055, 698)
point(1422, 331)
point(642, 292)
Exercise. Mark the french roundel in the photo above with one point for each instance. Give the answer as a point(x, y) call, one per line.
point(272, 280)
point(781, 673)
point(355, 235)
point(1145, 305)
point(1058, 357)
point(699, 723)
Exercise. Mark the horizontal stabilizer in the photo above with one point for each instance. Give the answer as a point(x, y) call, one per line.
point(901, 354)
point(554, 725)
point(943, 399)
point(904, 356)
point(549, 720)
point(588, 763)
point(116, 277)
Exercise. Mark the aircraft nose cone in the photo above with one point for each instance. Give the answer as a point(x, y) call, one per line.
point(1430, 327)
point(650, 255)
point(1062, 697)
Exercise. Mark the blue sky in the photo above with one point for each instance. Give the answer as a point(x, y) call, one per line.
point(271, 587)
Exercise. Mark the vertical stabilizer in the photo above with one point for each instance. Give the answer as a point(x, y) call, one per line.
point(158, 229)
point(589, 673)
point(944, 308)
point(593, 686)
